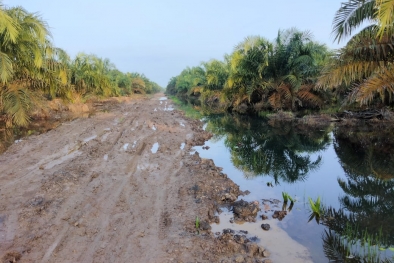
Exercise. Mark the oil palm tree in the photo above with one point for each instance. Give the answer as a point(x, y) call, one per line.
point(365, 65)
point(292, 70)
point(91, 75)
point(354, 13)
point(247, 64)
point(216, 74)
point(26, 54)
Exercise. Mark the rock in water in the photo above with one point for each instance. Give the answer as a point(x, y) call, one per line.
point(265, 227)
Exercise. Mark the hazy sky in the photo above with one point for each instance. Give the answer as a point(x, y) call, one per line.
point(161, 38)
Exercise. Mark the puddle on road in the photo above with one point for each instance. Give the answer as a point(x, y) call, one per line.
point(281, 246)
point(134, 144)
point(170, 108)
point(155, 109)
point(163, 98)
point(154, 127)
point(182, 146)
point(72, 154)
point(125, 146)
point(105, 157)
point(89, 138)
point(155, 147)
point(181, 123)
point(161, 102)
point(104, 137)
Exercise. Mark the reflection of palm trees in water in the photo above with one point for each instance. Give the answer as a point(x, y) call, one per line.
point(368, 204)
point(9, 135)
point(281, 151)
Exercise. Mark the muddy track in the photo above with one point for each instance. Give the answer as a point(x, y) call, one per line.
point(96, 190)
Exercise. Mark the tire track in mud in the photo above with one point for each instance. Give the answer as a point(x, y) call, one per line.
point(113, 209)
point(106, 202)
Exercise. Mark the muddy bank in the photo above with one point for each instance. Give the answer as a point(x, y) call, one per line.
point(345, 118)
point(118, 186)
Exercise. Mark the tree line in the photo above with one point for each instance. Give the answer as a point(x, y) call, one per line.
point(293, 72)
point(32, 69)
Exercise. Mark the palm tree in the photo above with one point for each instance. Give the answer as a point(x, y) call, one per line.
point(91, 75)
point(247, 65)
point(292, 70)
point(365, 65)
point(216, 73)
point(25, 54)
point(352, 14)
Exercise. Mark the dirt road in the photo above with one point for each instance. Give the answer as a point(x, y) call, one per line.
point(119, 186)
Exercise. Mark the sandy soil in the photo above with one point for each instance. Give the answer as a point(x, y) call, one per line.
point(119, 186)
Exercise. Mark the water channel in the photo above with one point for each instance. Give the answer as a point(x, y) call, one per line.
point(350, 169)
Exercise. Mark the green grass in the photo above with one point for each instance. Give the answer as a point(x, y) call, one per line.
point(287, 197)
point(198, 225)
point(186, 108)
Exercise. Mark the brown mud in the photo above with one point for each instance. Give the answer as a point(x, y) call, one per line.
point(119, 186)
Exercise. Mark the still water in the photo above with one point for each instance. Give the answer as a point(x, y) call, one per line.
point(350, 169)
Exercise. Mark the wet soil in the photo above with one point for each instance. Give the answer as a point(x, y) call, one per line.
point(119, 186)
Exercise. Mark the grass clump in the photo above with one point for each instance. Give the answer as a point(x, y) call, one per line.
point(188, 109)
point(317, 209)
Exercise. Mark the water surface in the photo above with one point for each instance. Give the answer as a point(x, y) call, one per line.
point(351, 170)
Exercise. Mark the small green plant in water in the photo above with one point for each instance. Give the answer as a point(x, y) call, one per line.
point(286, 198)
point(316, 208)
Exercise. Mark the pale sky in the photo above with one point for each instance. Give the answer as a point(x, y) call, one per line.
point(161, 38)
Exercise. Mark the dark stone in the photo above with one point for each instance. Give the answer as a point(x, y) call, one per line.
point(243, 232)
point(265, 227)
point(264, 217)
point(228, 231)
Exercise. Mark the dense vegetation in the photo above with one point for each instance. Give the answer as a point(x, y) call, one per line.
point(293, 72)
point(32, 69)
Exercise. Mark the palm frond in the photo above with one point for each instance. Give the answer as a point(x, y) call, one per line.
point(17, 102)
point(305, 94)
point(8, 26)
point(351, 15)
point(385, 16)
point(380, 83)
point(6, 68)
